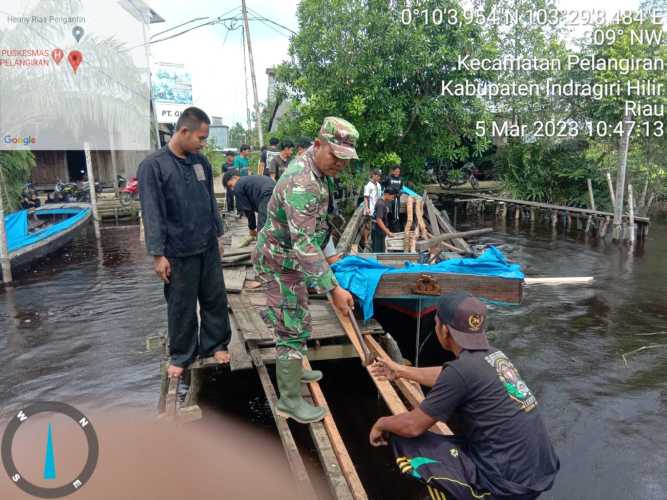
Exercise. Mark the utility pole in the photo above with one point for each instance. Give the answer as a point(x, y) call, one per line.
point(245, 83)
point(5, 263)
point(258, 118)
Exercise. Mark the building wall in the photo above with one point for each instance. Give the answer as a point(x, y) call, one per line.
point(52, 165)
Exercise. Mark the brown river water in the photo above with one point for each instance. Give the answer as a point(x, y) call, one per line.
point(73, 328)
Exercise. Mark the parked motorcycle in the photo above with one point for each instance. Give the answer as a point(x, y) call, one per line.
point(130, 192)
point(450, 177)
point(29, 198)
point(121, 181)
point(66, 192)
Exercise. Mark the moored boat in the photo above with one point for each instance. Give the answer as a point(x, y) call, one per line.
point(35, 233)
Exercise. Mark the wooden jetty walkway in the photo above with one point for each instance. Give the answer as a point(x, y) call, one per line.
point(589, 220)
point(253, 348)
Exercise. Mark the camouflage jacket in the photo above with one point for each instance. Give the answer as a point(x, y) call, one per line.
point(296, 226)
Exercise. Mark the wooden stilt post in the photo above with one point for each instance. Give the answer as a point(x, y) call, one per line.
point(409, 208)
point(590, 194)
point(554, 219)
point(517, 213)
point(604, 227)
point(610, 185)
point(631, 211)
point(504, 211)
point(532, 214)
point(589, 221)
point(91, 187)
point(5, 263)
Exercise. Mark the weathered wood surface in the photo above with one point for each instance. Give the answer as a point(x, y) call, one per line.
point(423, 245)
point(234, 278)
point(351, 231)
point(303, 484)
point(411, 390)
point(445, 224)
point(548, 206)
point(344, 460)
point(487, 287)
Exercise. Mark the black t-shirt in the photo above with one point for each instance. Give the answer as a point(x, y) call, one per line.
point(381, 211)
point(250, 190)
point(395, 182)
point(504, 432)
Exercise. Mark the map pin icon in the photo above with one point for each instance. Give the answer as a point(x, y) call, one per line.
point(77, 33)
point(57, 55)
point(75, 58)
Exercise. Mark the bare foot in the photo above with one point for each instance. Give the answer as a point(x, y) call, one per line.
point(222, 357)
point(174, 371)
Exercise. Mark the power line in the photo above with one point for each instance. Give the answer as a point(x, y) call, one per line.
point(272, 21)
point(178, 26)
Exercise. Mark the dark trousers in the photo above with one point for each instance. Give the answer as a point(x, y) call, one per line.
point(258, 223)
point(193, 278)
point(378, 239)
point(395, 215)
point(231, 200)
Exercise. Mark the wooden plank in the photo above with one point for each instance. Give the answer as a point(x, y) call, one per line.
point(332, 471)
point(447, 226)
point(297, 467)
point(323, 353)
point(250, 325)
point(578, 280)
point(351, 231)
point(234, 278)
point(237, 350)
point(347, 468)
point(432, 219)
point(487, 287)
point(411, 390)
point(423, 245)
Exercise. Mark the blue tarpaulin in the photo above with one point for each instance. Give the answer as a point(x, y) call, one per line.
point(17, 226)
point(409, 192)
point(361, 276)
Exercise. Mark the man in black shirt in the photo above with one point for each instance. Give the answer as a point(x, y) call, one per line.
point(395, 181)
point(302, 145)
point(182, 226)
point(252, 195)
point(281, 160)
point(504, 451)
point(267, 155)
point(381, 220)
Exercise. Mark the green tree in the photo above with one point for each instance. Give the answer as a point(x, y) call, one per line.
point(15, 169)
point(237, 136)
point(357, 60)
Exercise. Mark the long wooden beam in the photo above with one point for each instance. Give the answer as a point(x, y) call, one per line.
point(343, 457)
point(294, 459)
point(447, 226)
point(423, 245)
point(411, 390)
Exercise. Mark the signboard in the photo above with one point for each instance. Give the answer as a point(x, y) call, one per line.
point(171, 90)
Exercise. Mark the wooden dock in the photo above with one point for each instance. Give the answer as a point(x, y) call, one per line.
point(588, 220)
point(253, 348)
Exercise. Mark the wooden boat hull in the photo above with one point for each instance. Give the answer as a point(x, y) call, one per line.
point(26, 255)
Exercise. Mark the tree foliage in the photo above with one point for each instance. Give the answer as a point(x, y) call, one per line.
point(355, 59)
point(15, 169)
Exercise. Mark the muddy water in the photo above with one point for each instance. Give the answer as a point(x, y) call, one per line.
point(73, 330)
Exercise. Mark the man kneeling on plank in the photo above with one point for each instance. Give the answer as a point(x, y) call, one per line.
point(504, 451)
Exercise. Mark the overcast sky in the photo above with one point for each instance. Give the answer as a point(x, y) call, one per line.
point(214, 55)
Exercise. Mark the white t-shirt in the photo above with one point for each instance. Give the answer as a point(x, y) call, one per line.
point(373, 192)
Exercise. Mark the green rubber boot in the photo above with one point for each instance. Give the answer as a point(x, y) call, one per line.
point(291, 404)
point(311, 376)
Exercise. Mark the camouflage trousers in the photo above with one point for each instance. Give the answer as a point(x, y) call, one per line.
point(287, 311)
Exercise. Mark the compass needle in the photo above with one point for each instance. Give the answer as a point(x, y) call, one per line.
point(50, 459)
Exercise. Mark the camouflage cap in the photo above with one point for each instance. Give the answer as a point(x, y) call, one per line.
point(342, 136)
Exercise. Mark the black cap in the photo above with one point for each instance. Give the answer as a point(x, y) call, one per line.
point(228, 176)
point(465, 317)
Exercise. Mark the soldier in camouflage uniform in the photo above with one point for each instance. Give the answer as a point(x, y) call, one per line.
point(289, 257)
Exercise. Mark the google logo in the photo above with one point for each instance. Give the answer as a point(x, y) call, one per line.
point(26, 141)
